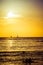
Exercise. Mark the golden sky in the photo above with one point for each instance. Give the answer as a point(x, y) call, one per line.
point(21, 17)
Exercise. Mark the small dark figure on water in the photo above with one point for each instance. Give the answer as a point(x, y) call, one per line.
point(28, 61)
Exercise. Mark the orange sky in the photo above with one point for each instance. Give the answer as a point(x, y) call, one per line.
point(26, 19)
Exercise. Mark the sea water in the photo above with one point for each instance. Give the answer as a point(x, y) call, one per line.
point(18, 49)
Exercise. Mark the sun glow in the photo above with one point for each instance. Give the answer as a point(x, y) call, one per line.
point(10, 14)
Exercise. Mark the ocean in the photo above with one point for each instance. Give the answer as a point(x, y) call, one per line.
point(21, 51)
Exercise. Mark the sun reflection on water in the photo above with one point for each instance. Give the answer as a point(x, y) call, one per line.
point(10, 43)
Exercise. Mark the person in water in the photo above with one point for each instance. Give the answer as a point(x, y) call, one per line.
point(28, 61)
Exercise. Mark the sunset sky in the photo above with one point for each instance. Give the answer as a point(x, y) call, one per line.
point(21, 17)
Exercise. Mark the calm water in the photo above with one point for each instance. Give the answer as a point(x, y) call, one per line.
point(11, 50)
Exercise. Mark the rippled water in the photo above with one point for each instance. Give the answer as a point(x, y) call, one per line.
point(21, 44)
point(13, 49)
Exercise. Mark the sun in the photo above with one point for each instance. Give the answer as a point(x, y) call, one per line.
point(10, 15)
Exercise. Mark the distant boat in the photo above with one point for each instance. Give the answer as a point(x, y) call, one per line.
point(17, 36)
point(11, 37)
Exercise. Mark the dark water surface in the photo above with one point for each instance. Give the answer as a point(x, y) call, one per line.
point(19, 51)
